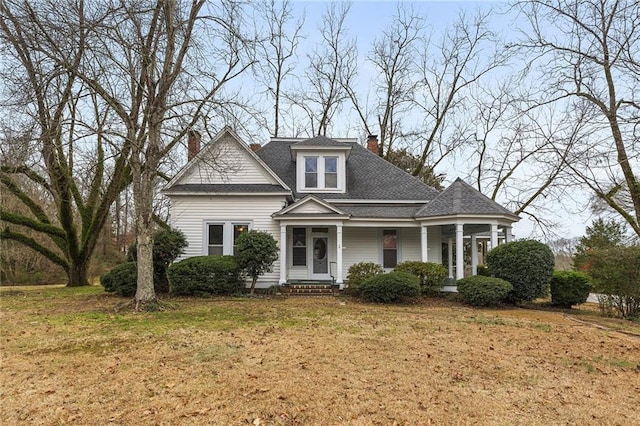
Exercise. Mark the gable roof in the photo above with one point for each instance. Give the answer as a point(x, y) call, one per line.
point(319, 140)
point(177, 185)
point(368, 177)
point(460, 198)
point(310, 206)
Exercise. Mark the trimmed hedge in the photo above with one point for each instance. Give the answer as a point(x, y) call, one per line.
point(569, 288)
point(358, 273)
point(526, 264)
point(205, 275)
point(479, 290)
point(395, 286)
point(121, 279)
point(432, 276)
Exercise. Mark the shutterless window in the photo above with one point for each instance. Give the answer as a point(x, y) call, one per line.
point(216, 239)
point(238, 229)
point(299, 247)
point(330, 172)
point(389, 248)
point(311, 172)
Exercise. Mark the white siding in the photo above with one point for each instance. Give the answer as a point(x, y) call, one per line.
point(229, 163)
point(434, 244)
point(190, 213)
point(409, 240)
point(360, 245)
point(311, 207)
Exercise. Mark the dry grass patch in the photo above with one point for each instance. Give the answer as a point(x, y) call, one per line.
point(69, 358)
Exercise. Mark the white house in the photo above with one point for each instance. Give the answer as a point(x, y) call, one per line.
point(330, 203)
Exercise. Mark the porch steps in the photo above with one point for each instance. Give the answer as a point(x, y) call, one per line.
point(310, 288)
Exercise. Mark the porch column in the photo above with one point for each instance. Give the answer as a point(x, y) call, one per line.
point(507, 234)
point(339, 280)
point(283, 254)
point(474, 255)
point(494, 236)
point(459, 251)
point(423, 243)
point(450, 256)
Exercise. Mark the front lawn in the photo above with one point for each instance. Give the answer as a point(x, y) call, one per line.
point(69, 358)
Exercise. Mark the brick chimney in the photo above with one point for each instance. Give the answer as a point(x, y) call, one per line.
point(255, 146)
point(372, 144)
point(193, 144)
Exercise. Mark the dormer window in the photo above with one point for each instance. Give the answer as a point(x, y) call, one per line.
point(322, 173)
point(321, 164)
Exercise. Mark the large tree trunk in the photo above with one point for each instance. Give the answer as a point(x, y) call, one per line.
point(143, 199)
point(78, 273)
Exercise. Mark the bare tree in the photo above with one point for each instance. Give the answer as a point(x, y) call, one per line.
point(278, 52)
point(588, 55)
point(157, 67)
point(448, 68)
point(331, 63)
point(392, 57)
point(62, 118)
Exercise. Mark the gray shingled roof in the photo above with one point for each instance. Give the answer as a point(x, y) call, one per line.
point(319, 141)
point(377, 210)
point(462, 198)
point(225, 188)
point(369, 177)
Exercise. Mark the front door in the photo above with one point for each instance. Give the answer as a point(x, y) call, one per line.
point(320, 255)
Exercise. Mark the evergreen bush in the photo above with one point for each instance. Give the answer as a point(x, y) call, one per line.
point(358, 273)
point(256, 252)
point(121, 279)
point(569, 288)
point(396, 286)
point(432, 276)
point(205, 275)
point(526, 264)
point(479, 290)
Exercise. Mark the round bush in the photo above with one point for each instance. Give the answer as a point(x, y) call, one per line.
point(121, 279)
point(205, 275)
point(432, 276)
point(395, 286)
point(526, 264)
point(569, 288)
point(483, 291)
point(358, 273)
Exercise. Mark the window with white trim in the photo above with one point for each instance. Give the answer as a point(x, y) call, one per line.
point(389, 248)
point(222, 236)
point(321, 173)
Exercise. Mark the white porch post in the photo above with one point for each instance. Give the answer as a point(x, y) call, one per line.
point(339, 280)
point(474, 255)
point(450, 256)
point(459, 251)
point(423, 243)
point(507, 234)
point(494, 236)
point(283, 254)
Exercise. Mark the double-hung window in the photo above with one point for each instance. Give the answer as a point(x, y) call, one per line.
point(322, 173)
point(389, 248)
point(222, 236)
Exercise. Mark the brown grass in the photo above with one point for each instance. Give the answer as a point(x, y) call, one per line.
point(69, 358)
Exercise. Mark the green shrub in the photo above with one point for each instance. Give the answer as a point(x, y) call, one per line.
point(121, 279)
point(569, 288)
point(358, 273)
point(205, 275)
point(256, 252)
point(168, 244)
point(432, 276)
point(479, 290)
point(526, 264)
point(395, 286)
point(483, 270)
point(616, 273)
